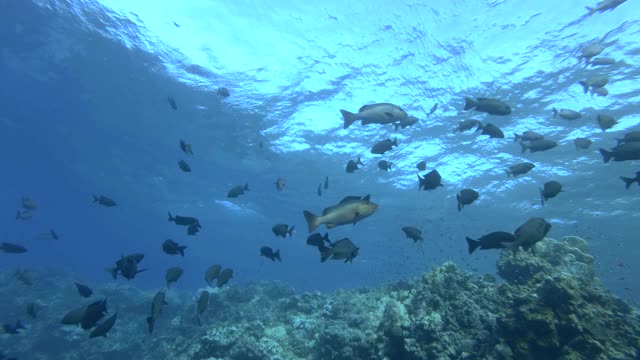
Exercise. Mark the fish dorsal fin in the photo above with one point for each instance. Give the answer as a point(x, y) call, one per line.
point(349, 198)
point(367, 198)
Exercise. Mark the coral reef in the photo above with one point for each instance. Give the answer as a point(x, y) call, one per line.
point(549, 306)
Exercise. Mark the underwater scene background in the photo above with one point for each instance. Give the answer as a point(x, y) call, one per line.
point(116, 113)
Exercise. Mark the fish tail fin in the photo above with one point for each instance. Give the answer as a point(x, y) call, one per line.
point(472, 244)
point(325, 253)
point(181, 249)
point(523, 146)
point(246, 187)
point(171, 218)
point(606, 155)
point(469, 103)
point(541, 197)
point(276, 255)
point(585, 85)
point(460, 206)
point(312, 220)
point(627, 181)
point(555, 113)
point(150, 322)
point(349, 118)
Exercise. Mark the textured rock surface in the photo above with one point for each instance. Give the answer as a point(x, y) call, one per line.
point(550, 306)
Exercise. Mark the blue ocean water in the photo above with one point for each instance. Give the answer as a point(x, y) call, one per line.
point(84, 111)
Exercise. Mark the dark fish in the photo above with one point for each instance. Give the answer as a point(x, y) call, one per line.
point(405, 122)
point(384, 165)
point(340, 250)
point(494, 240)
point(383, 113)
point(490, 106)
point(193, 229)
point(319, 189)
point(173, 274)
point(93, 313)
point(594, 83)
point(186, 147)
point(172, 248)
point(602, 61)
point(54, 235)
point(212, 273)
point(104, 201)
point(32, 310)
point(104, 328)
point(601, 91)
point(629, 181)
point(127, 266)
point(280, 184)
point(203, 303)
point(590, 51)
point(176, 24)
point(224, 277)
point(413, 233)
point(28, 203)
point(184, 166)
point(12, 248)
point(223, 92)
point(237, 191)
point(430, 181)
point(433, 109)
point(349, 210)
point(492, 130)
point(74, 317)
point(24, 215)
point(270, 254)
point(622, 152)
point(582, 143)
point(184, 220)
point(468, 125)
point(529, 233)
point(353, 165)
point(632, 136)
point(318, 240)
point(519, 169)
point(172, 103)
point(606, 122)
point(13, 329)
point(326, 182)
point(604, 5)
point(466, 197)
point(422, 165)
point(566, 114)
point(156, 308)
point(529, 136)
point(550, 190)
point(84, 290)
point(282, 230)
point(538, 145)
point(383, 146)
